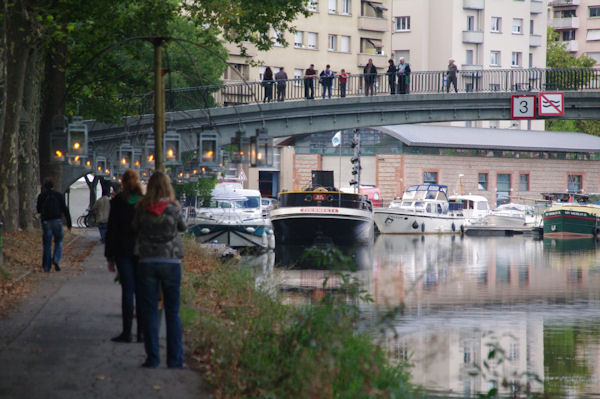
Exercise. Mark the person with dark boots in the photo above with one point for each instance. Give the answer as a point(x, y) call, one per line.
point(119, 251)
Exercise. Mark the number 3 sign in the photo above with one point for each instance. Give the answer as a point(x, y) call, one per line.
point(522, 106)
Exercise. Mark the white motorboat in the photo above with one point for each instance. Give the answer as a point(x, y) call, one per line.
point(233, 218)
point(475, 208)
point(513, 215)
point(423, 209)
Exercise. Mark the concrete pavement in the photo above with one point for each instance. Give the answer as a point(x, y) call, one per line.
point(57, 343)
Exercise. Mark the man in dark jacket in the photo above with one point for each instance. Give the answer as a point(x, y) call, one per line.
point(51, 206)
point(370, 72)
point(281, 79)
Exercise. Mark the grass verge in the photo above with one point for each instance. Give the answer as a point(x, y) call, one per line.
point(252, 345)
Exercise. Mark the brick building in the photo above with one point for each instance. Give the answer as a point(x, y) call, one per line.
point(502, 165)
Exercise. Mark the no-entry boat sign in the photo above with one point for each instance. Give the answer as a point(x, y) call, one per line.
point(551, 104)
point(522, 106)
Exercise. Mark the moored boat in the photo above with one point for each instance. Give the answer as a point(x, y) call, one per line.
point(572, 221)
point(423, 209)
point(322, 214)
point(475, 208)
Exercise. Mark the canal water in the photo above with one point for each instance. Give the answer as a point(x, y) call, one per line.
point(475, 313)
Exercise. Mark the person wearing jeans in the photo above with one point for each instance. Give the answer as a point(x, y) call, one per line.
point(159, 222)
point(52, 208)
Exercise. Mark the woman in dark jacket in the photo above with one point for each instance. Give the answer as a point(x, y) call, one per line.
point(268, 85)
point(120, 242)
point(159, 223)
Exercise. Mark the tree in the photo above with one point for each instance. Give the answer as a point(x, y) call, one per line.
point(558, 57)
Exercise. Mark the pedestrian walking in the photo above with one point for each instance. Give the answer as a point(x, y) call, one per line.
point(281, 79)
point(403, 76)
point(159, 222)
point(52, 208)
point(309, 82)
point(451, 75)
point(101, 209)
point(370, 73)
point(268, 85)
point(391, 72)
point(119, 251)
point(342, 82)
point(326, 79)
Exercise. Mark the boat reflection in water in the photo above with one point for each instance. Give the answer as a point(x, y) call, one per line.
point(538, 300)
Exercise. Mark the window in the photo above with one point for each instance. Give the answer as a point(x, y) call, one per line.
point(346, 7)
point(568, 35)
point(312, 40)
point(345, 44)
point(524, 182)
point(530, 60)
point(516, 58)
point(494, 58)
point(333, 6)
point(277, 36)
point(531, 31)
point(402, 24)
point(298, 39)
point(237, 72)
point(469, 57)
point(574, 183)
point(313, 5)
point(496, 24)
point(593, 34)
point(470, 23)
point(517, 26)
point(594, 11)
point(482, 181)
point(298, 74)
point(502, 188)
point(430, 177)
point(261, 72)
point(332, 42)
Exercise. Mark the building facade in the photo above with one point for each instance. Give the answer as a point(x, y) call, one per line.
point(502, 165)
point(578, 25)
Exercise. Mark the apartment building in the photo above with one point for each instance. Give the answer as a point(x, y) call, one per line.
point(341, 33)
point(478, 34)
point(578, 25)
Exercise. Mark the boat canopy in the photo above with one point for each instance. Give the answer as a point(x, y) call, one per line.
point(428, 187)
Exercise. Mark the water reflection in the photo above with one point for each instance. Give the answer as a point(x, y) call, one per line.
point(536, 299)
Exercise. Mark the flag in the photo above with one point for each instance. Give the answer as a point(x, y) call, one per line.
point(242, 175)
point(337, 139)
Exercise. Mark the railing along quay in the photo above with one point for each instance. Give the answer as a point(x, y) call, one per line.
point(420, 82)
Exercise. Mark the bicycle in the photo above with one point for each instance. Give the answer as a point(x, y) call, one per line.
point(88, 219)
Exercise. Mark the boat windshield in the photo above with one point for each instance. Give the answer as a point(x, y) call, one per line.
point(247, 203)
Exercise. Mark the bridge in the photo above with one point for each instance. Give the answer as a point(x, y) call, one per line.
point(207, 118)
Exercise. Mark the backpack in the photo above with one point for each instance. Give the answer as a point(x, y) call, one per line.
point(51, 206)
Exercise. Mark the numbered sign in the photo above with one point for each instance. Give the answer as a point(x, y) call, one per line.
point(551, 104)
point(522, 106)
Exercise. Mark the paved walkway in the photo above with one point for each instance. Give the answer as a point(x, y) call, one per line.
point(57, 343)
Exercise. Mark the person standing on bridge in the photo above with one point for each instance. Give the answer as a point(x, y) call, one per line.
point(370, 73)
point(268, 85)
point(403, 76)
point(326, 79)
point(391, 72)
point(309, 82)
point(159, 222)
point(451, 75)
point(281, 79)
point(52, 207)
point(342, 82)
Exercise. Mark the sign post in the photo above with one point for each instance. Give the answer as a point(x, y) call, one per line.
point(551, 104)
point(522, 106)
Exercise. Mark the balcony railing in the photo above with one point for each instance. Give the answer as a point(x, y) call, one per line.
point(474, 4)
point(563, 3)
point(472, 36)
point(535, 40)
point(373, 24)
point(537, 7)
point(564, 23)
point(572, 46)
point(470, 79)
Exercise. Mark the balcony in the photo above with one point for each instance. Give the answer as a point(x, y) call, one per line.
point(537, 7)
point(379, 60)
point(564, 23)
point(471, 67)
point(535, 40)
point(563, 3)
point(472, 36)
point(372, 24)
point(473, 4)
point(572, 46)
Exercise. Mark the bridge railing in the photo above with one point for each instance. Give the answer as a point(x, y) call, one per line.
point(420, 82)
